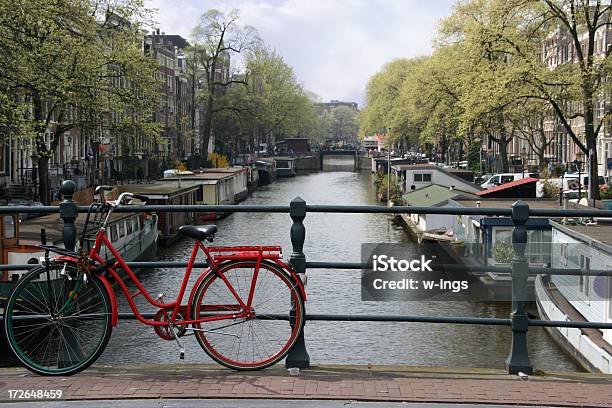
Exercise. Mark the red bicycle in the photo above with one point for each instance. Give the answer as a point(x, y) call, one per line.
point(246, 309)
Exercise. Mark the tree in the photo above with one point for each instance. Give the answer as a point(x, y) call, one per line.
point(571, 73)
point(432, 96)
point(277, 101)
point(385, 108)
point(344, 123)
point(216, 38)
point(68, 64)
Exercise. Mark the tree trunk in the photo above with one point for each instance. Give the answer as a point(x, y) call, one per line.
point(43, 171)
point(503, 153)
point(207, 125)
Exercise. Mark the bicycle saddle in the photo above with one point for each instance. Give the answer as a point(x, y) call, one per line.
point(198, 232)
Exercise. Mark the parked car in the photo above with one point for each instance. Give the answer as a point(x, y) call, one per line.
point(503, 178)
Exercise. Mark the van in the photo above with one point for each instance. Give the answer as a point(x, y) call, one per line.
point(503, 178)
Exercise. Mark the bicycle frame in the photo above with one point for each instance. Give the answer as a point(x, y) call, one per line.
point(252, 253)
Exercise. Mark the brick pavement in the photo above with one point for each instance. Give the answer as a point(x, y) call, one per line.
point(384, 383)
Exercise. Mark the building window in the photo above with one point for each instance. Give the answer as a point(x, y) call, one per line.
point(585, 265)
point(113, 231)
point(422, 177)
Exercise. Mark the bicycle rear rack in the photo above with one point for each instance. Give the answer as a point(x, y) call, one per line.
point(246, 252)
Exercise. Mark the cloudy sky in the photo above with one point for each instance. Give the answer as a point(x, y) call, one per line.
point(334, 46)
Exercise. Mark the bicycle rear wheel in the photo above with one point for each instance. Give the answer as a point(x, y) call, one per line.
point(55, 323)
point(258, 341)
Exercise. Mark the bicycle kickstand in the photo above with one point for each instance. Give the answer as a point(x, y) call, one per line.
point(180, 346)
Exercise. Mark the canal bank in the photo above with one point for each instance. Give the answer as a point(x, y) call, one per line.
point(338, 237)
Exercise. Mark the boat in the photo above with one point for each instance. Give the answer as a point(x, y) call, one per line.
point(581, 298)
point(266, 169)
point(285, 166)
point(133, 235)
point(167, 193)
point(217, 186)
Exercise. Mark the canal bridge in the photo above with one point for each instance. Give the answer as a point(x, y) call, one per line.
point(337, 154)
point(518, 321)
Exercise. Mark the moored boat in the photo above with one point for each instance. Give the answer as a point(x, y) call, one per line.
point(133, 235)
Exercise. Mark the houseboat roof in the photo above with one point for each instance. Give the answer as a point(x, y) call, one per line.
point(508, 186)
point(191, 182)
point(599, 235)
point(507, 203)
point(230, 170)
point(434, 194)
point(199, 177)
point(160, 189)
point(284, 158)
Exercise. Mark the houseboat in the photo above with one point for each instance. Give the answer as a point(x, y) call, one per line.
point(489, 238)
point(168, 194)
point(285, 166)
point(580, 298)
point(133, 235)
point(214, 187)
point(266, 169)
point(413, 177)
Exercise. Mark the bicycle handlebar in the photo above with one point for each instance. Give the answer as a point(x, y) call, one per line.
point(140, 197)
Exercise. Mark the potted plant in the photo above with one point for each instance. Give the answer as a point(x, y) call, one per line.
point(503, 252)
point(605, 191)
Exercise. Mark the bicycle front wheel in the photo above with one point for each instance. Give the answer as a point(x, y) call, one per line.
point(55, 322)
point(257, 341)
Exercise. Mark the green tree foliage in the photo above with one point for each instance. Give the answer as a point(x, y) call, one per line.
point(343, 122)
point(217, 37)
point(68, 64)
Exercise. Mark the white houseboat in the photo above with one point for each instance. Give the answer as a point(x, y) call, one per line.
point(580, 298)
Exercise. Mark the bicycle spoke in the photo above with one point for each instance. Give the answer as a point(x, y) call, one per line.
point(47, 343)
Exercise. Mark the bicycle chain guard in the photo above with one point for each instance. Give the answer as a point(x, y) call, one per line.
point(164, 332)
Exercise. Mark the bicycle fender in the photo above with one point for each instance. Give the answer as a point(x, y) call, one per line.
point(294, 275)
point(113, 300)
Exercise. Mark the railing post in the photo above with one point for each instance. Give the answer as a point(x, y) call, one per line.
point(518, 359)
point(298, 356)
point(68, 212)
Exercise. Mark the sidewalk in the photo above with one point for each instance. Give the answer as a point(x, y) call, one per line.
point(380, 383)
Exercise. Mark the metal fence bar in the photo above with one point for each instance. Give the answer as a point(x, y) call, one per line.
point(358, 266)
point(298, 356)
point(518, 359)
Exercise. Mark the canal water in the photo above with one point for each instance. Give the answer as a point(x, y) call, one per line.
point(337, 237)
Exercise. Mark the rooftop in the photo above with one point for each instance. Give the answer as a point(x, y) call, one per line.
point(507, 203)
point(507, 186)
point(434, 194)
point(158, 188)
point(600, 233)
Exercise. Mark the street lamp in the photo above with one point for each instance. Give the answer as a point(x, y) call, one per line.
point(578, 164)
point(35, 158)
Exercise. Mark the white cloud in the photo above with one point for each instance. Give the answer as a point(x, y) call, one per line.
point(334, 46)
